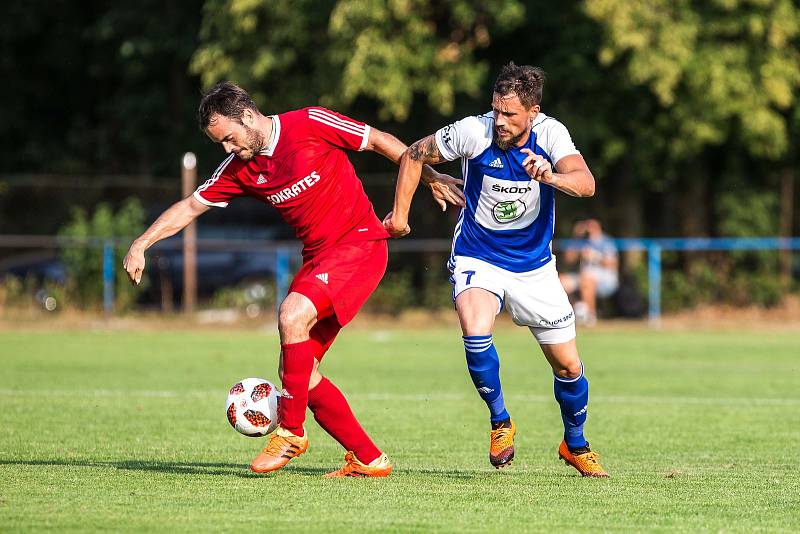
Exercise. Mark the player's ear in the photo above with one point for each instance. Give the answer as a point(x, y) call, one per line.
point(533, 111)
point(247, 117)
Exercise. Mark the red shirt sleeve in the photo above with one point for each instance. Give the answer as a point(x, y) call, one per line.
point(337, 129)
point(222, 186)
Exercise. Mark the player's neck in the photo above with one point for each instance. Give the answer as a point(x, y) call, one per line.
point(523, 140)
point(266, 125)
point(270, 132)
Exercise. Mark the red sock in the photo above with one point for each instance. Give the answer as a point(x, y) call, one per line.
point(317, 349)
point(334, 415)
point(298, 361)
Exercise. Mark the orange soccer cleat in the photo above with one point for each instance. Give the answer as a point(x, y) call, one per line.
point(501, 445)
point(282, 447)
point(380, 467)
point(583, 459)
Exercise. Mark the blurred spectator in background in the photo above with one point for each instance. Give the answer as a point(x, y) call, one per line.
point(598, 270)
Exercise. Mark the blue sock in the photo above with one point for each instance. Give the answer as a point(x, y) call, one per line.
point(572, 395)
point(484, 368)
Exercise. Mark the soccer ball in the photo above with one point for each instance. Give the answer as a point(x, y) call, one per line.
point(252, 407)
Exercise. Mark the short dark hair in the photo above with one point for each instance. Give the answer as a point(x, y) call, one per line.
point(524, 81)
point(226, 99)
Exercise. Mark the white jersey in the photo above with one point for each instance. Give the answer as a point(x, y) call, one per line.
point(509, 218)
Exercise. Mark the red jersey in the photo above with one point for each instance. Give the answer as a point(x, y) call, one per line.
point(305, 173)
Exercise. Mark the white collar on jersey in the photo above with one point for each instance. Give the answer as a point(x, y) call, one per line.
point(273, 137)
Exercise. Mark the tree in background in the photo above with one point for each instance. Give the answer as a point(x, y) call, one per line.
point(724, 78)
point(666, 99)
point(399, 64)
point(97, 87)
point(293, 53)
point(686, 111)
point(84, 261)
point(723, 74)
point(93, 90)
point(671, 102)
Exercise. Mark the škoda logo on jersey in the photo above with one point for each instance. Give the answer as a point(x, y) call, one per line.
point(508, 210)
point(295, 189)
point(507, 204)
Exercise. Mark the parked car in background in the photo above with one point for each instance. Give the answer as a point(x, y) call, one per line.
point(232, 264)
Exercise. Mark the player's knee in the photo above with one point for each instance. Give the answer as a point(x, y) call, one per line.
point(475, 324)
point(567, 368)
point(287, 318)
point(477, 329)
point(293, 321)
point(570, 370)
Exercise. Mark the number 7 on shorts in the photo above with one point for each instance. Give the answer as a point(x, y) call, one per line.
point(469, 275)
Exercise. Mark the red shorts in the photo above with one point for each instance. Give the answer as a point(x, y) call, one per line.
point(338, 281)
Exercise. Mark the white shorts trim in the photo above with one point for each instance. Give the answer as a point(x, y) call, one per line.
point(535, 299)
point(553, 336)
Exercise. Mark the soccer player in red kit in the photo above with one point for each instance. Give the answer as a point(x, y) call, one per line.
point(296, 161)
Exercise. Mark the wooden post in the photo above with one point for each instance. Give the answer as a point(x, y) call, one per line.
point(786, 224)
point(188, 185)
point(165, 284)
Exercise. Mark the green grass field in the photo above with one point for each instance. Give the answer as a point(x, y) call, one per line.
point(126, 431)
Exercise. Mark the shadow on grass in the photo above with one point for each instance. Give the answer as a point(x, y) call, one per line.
point(239, 470)
point(179, 468)
point(451, 473)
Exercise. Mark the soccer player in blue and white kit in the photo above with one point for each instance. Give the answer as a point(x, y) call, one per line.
point(513, 160)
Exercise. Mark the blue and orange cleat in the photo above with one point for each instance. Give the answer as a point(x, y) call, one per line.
point(282, 447)
point(583, 459)
point(501, 444)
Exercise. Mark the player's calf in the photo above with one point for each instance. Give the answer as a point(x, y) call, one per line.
point(483, 364)
point(572, 395)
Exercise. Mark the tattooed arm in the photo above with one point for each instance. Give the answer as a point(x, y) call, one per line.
point(444, 188)
point(424, 151)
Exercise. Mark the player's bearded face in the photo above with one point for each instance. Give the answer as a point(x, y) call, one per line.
point(504, 139)
point(512, 121)
point(236, 137)
point(253, 143)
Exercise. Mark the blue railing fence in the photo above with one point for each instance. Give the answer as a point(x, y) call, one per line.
point(285, 252)
point(656, 246)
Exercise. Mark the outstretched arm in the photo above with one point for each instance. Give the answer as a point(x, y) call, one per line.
point(425, 151)
point(173, 220)
point(443, 187)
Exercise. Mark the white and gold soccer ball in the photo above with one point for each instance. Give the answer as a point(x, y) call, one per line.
point(252, 407)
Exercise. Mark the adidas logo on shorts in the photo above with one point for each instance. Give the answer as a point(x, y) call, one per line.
point(261, 179)
point(323, 277)
point(497, 164)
